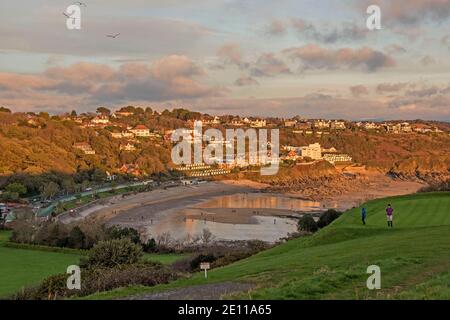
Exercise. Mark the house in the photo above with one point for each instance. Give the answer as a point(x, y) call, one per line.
point(141, 131)
point(290, 123)
point(236, 122)
point(85, 147)
point(123, 134)
point(127, 147)
point(132, 169)
point(100, 120)
point(371, 126)
point(313, 151)
point(258, 123)
point(119, 114)
point(334, 158)
point(321, 124)
point(211, 120)
point(337, 125)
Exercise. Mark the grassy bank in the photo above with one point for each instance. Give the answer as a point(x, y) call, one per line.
point(23, 265)
point(414, 257)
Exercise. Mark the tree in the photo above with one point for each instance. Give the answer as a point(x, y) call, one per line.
point(207, 236)
point(116, 232)
point(4, 109)
point(112, 253)
point(307, 223)
point(328, 217)
point(77, 238)
point(44, 115)
point(50, 190)
point(73, 113)
point(103, 111)
point(16, 187)
point(68, 185)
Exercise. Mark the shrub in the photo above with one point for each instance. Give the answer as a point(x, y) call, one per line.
point(116, 232)
point(150, 246)
point(307, 223)
point(76, 239)
point(112, 253)
point(99, 279)
point(195, 263)
point(328, 217)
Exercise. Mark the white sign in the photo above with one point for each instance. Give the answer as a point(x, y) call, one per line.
point(205, 266)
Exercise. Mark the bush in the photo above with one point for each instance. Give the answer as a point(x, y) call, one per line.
point(113, 253)
point(99, 279)
point(307, 223)
point(328, 217)
point(116, 232)
point(76, 239)
point(195, 263)
point(150, 246)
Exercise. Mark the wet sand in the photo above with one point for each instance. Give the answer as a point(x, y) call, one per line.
point(231, 210)
point(143, 207)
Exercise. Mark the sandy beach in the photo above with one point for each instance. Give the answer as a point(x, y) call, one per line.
point(232, 210)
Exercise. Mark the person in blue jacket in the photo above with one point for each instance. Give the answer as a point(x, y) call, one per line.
point(363, 215)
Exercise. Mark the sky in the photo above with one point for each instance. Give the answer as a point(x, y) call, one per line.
point(279, 58)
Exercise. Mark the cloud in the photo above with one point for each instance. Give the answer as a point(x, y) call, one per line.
point(269, 65)
point(231, 53)
point(425, 92)
point(246, 81)
point(47, 33)
point(329, 107)
point(276, 27)
point(410, 12)
point(427, 61)
point(359, 90)
point(169, 78)
point(390, 87)
point(345, 32)
point(316, 57)
point(395, 49)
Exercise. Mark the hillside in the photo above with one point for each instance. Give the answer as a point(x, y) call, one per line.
point(414, 257)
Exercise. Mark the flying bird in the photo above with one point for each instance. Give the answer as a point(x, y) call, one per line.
point(113, 35)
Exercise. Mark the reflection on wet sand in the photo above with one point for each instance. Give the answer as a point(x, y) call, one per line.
point(244, 216)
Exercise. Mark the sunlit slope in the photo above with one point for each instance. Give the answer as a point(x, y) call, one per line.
point(414, 257)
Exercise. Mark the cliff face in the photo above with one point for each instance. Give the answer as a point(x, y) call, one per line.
point(429, 169)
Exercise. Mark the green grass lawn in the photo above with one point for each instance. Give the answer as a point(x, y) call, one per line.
point(414, 257)
point(165, 258)
point(22, 267)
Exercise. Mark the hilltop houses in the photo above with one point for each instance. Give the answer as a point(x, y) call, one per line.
point(85, 147)
point(127, 147)
point(140, 131)
point(258, 123)
point(132, 169)
point(334, 158)
point(313, 151)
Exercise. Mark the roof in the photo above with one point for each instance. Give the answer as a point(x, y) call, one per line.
point(140, 127)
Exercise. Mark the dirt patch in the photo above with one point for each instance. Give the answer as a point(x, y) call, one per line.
point(214, 291)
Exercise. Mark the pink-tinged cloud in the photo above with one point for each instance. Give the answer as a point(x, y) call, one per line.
point(231, 53)
point(246, 81)
point(316, 57)
point(410, 12)
point(269, 65)
point(390, 87)
point(169, 78)
point(276, 27)
point(359, 90)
